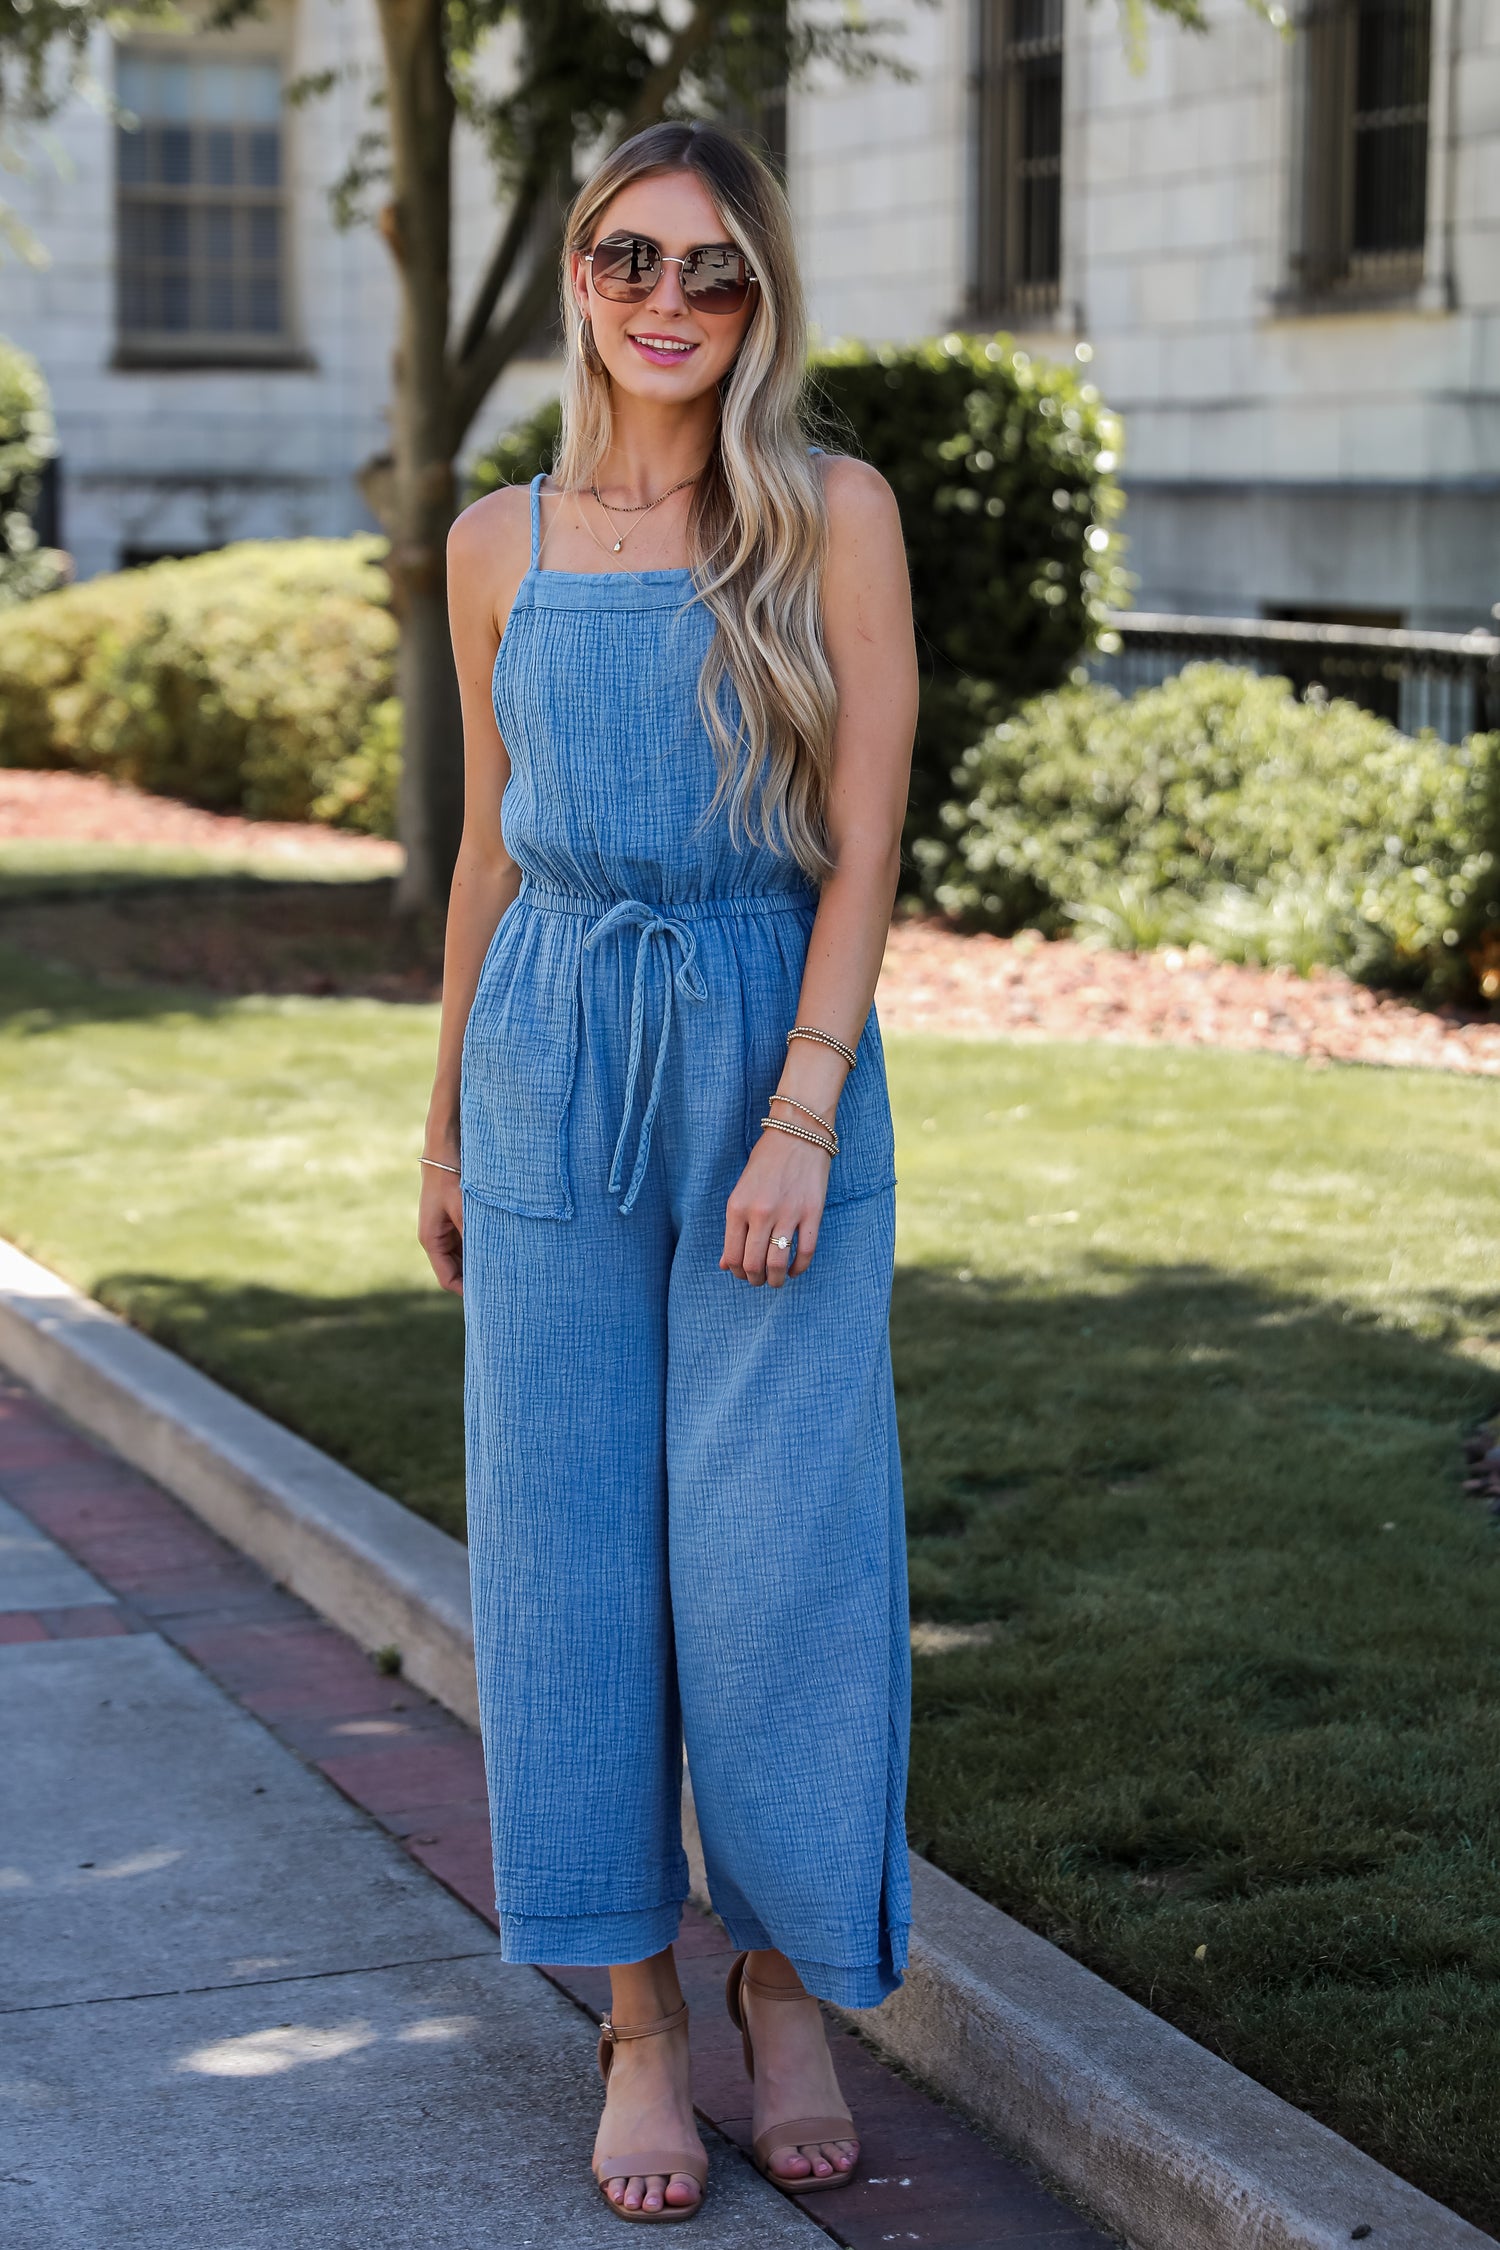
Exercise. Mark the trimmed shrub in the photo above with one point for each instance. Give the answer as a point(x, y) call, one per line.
point(1003, 469)
point(258, 679)
point(27, 443)
point(520, 454)
point(1219, 809)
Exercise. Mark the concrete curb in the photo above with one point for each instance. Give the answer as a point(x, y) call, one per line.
point(381, 1573)
point(1152, 2133)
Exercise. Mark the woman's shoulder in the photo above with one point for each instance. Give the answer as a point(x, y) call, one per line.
point(859, 500)
point(489, 548)
point(492, 524)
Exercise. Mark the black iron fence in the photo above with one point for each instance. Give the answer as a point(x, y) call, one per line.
point(1447, 681)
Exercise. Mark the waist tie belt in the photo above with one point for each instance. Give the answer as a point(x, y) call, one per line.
point(657, 935)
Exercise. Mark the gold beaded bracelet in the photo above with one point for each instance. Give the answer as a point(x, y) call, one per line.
point(800, 1132)
point(815, 1114)
point(825, 1039)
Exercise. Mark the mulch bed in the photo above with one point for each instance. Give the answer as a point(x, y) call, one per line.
point(1026, 988)
point(329, 938)
point(80, 808)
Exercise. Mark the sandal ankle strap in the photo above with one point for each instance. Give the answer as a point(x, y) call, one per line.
point(615, 2032)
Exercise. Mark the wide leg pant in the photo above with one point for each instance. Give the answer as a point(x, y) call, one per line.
point(685, 1521)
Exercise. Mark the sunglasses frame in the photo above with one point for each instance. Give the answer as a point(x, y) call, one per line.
point(719, 312)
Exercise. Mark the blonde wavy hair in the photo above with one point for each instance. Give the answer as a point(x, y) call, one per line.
point(758, 527)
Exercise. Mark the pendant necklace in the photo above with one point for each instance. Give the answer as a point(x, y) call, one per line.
point(641, 508)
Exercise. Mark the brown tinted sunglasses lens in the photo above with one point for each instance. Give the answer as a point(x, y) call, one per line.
point(627, 269)
point(716, 280)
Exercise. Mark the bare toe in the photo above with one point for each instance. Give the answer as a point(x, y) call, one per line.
point(682, 2191)
point(791, 2164)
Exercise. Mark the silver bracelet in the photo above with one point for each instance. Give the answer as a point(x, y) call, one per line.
point(799, 1132)
point(824, 1039)
point(816, 1114)
point(439, 1166)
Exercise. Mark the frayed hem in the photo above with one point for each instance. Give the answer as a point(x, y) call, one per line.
point(850, 1988)
point(840, 1983)
point(587, 1941)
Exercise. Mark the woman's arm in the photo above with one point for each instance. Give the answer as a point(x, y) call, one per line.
point(488, 549)
point(867, 627)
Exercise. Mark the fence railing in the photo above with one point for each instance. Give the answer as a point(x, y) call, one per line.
point(1447, 681)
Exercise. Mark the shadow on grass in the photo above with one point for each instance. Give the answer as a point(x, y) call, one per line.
point(1104, 1404)
point(142, 948)
point(375, 1380)
point(1231, 1733)
point(184, 876)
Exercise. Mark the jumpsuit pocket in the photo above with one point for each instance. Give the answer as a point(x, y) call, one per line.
point(520, 1054)
point(866, 1162)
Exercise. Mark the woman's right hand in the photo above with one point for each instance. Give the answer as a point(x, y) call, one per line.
point(440, 1227)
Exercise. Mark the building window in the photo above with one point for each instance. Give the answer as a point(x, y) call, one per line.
point(1020, 156)
point(1365, 204)
point(202, 223)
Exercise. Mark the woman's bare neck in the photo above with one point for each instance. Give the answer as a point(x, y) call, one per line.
point(652, 447)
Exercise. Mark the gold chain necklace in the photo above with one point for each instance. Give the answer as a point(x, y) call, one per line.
point(642, 508)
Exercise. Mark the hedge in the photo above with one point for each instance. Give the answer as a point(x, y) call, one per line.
point(1219, 808)
point(257, 679)
point(1003, 470)
point(27, 443)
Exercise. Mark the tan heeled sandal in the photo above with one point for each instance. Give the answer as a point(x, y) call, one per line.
point(790, 2132)
point(640, 2164)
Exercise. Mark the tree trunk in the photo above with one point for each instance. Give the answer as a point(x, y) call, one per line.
point(430, 800)
point(417, 226)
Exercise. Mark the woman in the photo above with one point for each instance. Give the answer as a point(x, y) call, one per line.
point(686, 660)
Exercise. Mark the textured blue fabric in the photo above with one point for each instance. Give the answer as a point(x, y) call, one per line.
point(685, 1508)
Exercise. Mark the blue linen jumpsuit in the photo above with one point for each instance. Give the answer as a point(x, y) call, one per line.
point(685, 1504)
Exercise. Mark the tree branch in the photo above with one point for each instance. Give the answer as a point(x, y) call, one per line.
point(484, 352)
point(498, 346)
point(502, 263)
point(660, 84)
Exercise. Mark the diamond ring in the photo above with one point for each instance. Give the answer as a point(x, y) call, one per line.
point(782, 1241)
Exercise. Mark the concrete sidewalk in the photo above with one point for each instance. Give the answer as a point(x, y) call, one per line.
point(237, 2013)
point(239, 2009)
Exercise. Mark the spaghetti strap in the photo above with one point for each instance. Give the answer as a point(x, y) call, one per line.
point(536, 517)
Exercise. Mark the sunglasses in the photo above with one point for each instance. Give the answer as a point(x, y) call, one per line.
point(627, 267)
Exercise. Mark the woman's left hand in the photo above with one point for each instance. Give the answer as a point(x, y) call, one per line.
point(779, 1193)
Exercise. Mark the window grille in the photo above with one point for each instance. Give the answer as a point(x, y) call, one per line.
point(1368, 65)
point(1020, 156)
point(202, 222)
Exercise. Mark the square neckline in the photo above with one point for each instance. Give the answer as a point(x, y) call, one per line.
point(536, 568)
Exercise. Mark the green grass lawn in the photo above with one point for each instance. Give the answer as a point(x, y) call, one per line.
point(1185, 1344)
point(30, 866)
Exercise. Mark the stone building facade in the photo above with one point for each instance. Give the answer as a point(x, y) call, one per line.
point(1279, 244)
point(218, 350)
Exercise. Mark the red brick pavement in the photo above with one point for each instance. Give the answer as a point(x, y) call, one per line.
point(926, 2176)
